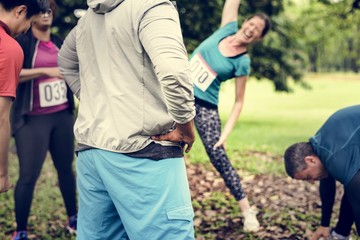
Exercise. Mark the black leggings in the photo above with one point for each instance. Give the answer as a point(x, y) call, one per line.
point(53, 132)
point(353, 193)
point(208, 125)
point(327, 195)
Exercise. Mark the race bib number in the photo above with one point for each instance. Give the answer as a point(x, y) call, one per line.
point(52, 93)
point(202, 73)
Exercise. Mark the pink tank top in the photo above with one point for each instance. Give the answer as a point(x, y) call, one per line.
point(49, 94)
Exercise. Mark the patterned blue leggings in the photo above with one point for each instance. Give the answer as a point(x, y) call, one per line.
point(208, 125)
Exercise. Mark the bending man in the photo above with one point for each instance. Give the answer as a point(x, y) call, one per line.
point(334, 151)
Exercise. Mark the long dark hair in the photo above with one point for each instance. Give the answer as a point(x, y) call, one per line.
point(53, 7)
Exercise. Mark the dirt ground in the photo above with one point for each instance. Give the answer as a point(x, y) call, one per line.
point(288, 209)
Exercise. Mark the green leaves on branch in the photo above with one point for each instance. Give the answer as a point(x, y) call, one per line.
point(314, 35)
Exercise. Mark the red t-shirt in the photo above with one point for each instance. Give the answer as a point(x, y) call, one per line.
point(11, 61)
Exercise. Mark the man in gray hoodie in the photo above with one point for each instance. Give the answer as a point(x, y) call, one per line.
point(126, 62)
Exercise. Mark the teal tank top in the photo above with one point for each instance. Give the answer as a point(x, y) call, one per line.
point(210, 68)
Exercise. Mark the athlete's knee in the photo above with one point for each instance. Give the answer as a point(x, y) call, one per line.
point(29, 179)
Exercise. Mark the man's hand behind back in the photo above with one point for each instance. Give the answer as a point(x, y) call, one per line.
point(183, 134)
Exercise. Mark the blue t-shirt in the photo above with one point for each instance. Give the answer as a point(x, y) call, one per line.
point(337, 143)
point(210, 67)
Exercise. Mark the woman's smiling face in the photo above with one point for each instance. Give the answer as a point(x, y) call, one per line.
point(251, 30)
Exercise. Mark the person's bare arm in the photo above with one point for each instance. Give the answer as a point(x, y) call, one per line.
point(240, 83)
point(5, 106)
point(230, 12)
point(31, 73)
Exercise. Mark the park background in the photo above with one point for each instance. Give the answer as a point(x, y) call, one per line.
point(304, 70)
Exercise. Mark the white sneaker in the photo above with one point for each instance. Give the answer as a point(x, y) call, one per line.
point(251, 224)
point(335, 236)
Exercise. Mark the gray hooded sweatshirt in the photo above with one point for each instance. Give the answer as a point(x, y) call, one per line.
point(126, 62)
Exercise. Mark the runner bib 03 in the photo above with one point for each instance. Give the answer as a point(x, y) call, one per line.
point(52, 92)
point(202, 73)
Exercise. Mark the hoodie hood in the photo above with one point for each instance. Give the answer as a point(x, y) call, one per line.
point(103, 6)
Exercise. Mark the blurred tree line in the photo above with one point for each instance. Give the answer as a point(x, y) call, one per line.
point(307, 35)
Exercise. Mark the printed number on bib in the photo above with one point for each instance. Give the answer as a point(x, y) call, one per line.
point(202, 73)
point(52, 93)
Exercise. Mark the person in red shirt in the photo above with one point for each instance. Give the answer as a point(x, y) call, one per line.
point(43, 110)
point(15, 18)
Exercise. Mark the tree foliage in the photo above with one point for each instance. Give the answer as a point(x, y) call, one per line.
point(66, 19)
point(332, 30)
point(322, 35)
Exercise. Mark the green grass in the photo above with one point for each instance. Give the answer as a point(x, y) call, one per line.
point(271, 121)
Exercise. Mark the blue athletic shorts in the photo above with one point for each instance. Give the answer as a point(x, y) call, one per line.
point(121, 197)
